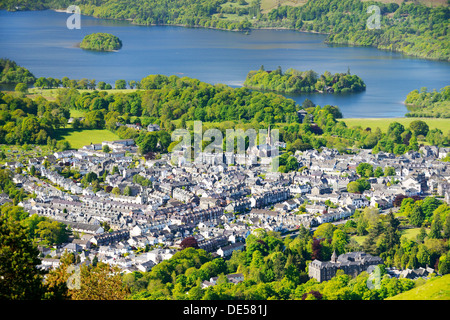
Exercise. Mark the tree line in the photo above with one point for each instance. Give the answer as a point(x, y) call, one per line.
point(11, 72)
point(410, 28)
point(295, 81)
point(434, 104)
point(29, 121)
point(173, 102)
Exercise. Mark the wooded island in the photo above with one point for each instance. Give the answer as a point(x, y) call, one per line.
point(295, 81)
point(101, 42)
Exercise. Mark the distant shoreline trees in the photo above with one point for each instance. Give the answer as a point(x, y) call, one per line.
point(295, 81)
point(410, 28)
point(434, 104)
point(12, 73)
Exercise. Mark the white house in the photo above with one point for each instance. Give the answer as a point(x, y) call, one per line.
point(228, 250)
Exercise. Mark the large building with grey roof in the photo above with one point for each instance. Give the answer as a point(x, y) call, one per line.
point(352, 263)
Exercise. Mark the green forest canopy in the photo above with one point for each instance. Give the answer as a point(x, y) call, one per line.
point(295, 81)
point(434, 104)
point(101, 42)
point(10, 72)
point(172, 102)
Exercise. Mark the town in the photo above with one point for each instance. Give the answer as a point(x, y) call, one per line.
point(217, 205)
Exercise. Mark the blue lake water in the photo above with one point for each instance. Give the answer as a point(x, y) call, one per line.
point(41, 42)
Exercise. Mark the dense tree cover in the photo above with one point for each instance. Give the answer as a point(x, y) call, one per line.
point(148, 12)
point(10, 72)
point(18, 259)
point(171, 101)
point(188, 13)
point(397, 139)
point(171, 98)
point(435, 104)
point(9, 187)
point(325, 130)
point(22, 280)
point(410, 28)
point(23, 120)
point(287, 163)
point(21, 87)
point(427, 249)
point(295, 81)
point(101, 41)
point(358, 186)
point(96, 281)
point(365, 171)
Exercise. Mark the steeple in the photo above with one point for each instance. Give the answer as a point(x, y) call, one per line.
point(269, 137)
point(334, 256)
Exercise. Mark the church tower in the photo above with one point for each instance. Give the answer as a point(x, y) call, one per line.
point(269, 137)
point(334, 257)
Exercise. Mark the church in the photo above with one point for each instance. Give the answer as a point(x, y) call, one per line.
point(265, 150)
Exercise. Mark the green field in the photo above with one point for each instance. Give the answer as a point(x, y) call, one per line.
point(74, 113)
point(411, 234)
point(434, 289)
point(80, 138)
point(383, 123)
point(268, 5)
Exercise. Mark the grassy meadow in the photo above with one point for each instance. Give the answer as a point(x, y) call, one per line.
point(434, 289)
point(80, 138)
point(383, 123)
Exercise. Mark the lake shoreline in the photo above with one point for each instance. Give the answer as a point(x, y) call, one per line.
point(347, 43)
point(217, 57)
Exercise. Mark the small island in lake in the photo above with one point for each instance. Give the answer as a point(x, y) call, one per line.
point(101, 42)
point(295, 81)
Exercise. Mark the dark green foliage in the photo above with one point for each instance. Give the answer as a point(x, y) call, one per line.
point(294, 81)
point(358, 186)
point(170, 98)
point(365, 170)
point(287, 163)
point(10, 72)
point(146, 12)
point(101, 42)
point(23, 120)
point(410, 28)
point(20, 279)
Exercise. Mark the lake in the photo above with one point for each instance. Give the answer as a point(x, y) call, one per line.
point(41, 42)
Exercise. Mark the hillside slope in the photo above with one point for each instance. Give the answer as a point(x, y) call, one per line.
point(435, 289)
